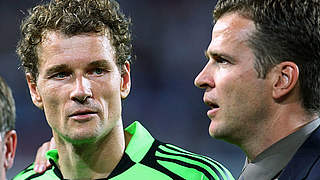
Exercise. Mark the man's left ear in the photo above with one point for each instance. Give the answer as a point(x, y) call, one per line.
point(125, 80)
point(10, 145)
point(287, 75)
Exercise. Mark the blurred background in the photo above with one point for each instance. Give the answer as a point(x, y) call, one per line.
point(170, 38)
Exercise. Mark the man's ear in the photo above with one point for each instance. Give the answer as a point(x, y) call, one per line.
point(125, 80)
point(10, 145)
point(287, 75)
point(33, 89)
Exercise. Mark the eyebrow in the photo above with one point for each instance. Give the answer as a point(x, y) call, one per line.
point(215, 54)
point(100, 63)
point(56, 68)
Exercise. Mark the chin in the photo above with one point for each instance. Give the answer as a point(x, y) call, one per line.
point(81, 138)
point(217, 131)
point(213, 129)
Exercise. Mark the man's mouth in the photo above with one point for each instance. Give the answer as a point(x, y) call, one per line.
point(83, 115)
point(80, 113)
point(212, 105)
point(214, 108)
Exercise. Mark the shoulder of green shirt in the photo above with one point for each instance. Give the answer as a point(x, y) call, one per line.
point(177, 162)
point(29, 173)
point(25, 173)
point(189, 165)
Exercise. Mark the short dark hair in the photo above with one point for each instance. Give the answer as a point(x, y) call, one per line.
point(285, 31)
point(7, 108)
point(73, 17)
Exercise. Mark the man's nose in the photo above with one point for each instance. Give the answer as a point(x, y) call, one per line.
point(204, 79)
point(82, 90)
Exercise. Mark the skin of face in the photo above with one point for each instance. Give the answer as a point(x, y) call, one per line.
point(238, 99)
point(79, 86)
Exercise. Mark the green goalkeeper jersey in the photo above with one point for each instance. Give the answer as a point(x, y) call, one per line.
point(146, 158)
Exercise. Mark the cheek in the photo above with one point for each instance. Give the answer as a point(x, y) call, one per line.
point(245, 92)
point(226, 83)
point(110, 85)
point(235, 87)
point(108, 88)
point(108, 94)
point(53, 98)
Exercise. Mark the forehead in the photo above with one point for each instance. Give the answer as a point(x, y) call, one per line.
point(231, 29)
point(62, 49)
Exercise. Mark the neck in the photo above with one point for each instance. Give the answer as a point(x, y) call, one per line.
point(91, 161)
point(282, 123)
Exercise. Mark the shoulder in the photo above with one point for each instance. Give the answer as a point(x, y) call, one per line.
point(28, 173)
point(24, 174)
point(305, 163)
point(309, 154)
point(174, 160)
point(314, 172)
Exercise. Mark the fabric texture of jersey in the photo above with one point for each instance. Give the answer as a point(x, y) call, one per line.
point(147, 158)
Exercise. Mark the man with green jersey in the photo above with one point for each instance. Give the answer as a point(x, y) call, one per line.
point(146, 157)
point(76, 55)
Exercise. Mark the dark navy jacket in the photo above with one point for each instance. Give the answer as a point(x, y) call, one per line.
point(305, 164)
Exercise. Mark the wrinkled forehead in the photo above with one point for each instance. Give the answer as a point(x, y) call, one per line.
point(50, 37)
point(55, 43)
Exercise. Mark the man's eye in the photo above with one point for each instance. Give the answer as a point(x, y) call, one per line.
point(221, 60)
point(60, 75)
point(97, 71)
